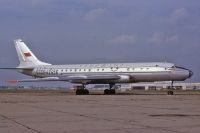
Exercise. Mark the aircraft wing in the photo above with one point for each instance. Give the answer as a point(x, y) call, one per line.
point(92, 77)
point(87, 79)
point(72, 79)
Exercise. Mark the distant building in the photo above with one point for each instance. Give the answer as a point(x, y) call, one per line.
point(152, 86)
point(165, 85)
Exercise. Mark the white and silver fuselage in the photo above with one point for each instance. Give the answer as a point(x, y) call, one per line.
point(128, 72)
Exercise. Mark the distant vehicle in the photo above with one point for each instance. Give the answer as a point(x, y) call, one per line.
point(84, 74)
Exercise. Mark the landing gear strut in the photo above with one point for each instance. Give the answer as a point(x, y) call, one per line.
point(110, 91)
point(81, 90)
point(170, 90)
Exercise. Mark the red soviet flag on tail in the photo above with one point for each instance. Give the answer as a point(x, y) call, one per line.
point(27, 54)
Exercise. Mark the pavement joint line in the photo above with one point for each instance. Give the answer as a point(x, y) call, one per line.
point(21, 124)
point(106, 119)
point(115, 129)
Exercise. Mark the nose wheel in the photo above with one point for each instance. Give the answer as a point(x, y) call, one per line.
point(170, 90)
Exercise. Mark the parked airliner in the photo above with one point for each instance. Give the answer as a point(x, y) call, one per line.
point(84, 74)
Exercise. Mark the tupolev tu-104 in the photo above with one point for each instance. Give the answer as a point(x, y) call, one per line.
point(85, 74)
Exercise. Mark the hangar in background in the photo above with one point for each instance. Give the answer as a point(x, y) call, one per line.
point(154, 86)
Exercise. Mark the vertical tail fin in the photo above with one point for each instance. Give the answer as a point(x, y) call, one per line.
point(25, 55)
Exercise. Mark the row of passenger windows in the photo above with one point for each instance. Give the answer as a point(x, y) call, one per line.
point(81, 70)
point(99, 69)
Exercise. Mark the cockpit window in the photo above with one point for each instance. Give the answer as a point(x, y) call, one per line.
point(173, 67)
point(181, 67)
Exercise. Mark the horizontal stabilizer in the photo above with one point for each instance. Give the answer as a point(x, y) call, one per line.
point(12, 81)
point(16, 68)
point(39, 79)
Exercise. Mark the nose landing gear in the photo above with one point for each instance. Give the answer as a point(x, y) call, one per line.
point(170, 90)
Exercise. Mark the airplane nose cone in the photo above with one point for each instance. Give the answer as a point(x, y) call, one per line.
point(190, 73)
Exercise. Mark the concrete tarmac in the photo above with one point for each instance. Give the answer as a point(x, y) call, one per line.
point(62, 113)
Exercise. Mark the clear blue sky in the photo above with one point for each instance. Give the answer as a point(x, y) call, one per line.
point(96, 31)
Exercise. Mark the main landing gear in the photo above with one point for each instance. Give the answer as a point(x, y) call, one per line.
point(170, 90)
point(81, 90)
point(110, 91)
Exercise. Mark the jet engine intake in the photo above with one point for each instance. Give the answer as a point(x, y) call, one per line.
point(124, 78)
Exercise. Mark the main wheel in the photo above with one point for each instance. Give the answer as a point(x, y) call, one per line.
point(170, 93)
point(82, 92)
point(78, 91)
point(109, 91)
point(86, 92)
point(112, 91)
point(106, 91)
